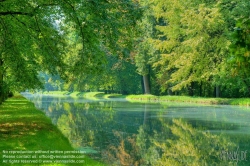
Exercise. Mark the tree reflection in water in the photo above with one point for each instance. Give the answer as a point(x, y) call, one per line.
point(112, 133)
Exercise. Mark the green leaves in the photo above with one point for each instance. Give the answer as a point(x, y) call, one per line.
point(238, 59)
point(61, 37)
point(193, 44)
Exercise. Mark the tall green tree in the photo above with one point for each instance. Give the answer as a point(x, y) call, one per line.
point(144, 49)
point(194, 44)
point(34, 37)
point(238, 61)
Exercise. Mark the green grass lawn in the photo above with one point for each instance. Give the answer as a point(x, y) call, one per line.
point(25, 128)
point(188, 99)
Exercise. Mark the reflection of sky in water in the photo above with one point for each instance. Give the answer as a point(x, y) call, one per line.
point(126, 133)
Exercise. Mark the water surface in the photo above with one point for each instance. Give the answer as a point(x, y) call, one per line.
point(119, 132)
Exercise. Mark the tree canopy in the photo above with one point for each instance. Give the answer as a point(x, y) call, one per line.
point(197, 48)
point(200, 46)
point(41, 35)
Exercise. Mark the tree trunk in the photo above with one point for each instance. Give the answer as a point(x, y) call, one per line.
point(1, 93)
point(146, 84)
point(217, 91)
point(142, 85)
point(246, 83)
point(170, 92)
point(191, 89)
point(201, 89)
point(1, 82)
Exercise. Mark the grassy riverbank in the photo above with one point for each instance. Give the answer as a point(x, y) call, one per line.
point(188, 99)
point(153, 98)
point(89, 95)
point(25, 128)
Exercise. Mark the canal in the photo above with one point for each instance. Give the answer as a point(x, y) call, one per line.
point(119, 132)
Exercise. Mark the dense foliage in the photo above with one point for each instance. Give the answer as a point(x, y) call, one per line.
point(200, 48)
point(60, 37)
point(184, 47)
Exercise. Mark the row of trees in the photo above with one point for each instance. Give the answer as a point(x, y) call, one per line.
point(61, 37)
point(118, 76)
point(197, 48)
